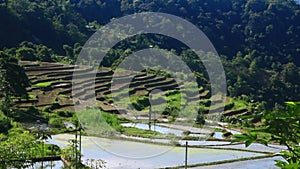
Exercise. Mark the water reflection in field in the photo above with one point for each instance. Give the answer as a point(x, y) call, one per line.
point(130, 155)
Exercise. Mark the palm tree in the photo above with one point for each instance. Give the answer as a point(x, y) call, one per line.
point(78, 128)
point(42, 135)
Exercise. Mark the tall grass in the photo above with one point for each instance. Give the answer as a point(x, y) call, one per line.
point(99, 123)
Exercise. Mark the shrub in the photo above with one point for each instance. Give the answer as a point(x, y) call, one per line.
point(200, 119)
point(47, 109)
point(65, 113)
point(57, 123)
point(5, 124)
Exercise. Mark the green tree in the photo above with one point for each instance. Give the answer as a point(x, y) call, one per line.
point(200, 119)
point(42, 136)
point(26, 53)
point(5, 123)
point(284, 127)
point(13, 78)
point(71, 152)
point(44, 54)
point(69, 51)
point(16, 150)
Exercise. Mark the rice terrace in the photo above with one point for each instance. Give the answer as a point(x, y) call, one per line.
point(139, 84)
point(51, 91)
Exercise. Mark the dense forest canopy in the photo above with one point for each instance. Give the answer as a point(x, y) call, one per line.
point(259, 40)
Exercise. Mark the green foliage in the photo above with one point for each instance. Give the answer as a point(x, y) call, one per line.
point(113, 121)
point(32, 52)
point(56, 122)
point(258, 39)
point(131, 131)
point(159, 72)
point(171, 111)
point(284, 124)
point(284, 127)
point(13, 80)
point(239, 104)
point(292, 162)
point(140, 102)
point(32, 96)
point(99, 123)
point(69, 153)
point(28, 115)
point(5, 123)
point(25, 53)
point(248, 138)
point(65, 113)
point(73, 155)
point(69, 51)
point(200, 119)
point(16, 150)
point(42, 23)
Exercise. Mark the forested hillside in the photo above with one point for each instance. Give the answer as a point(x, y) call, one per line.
point(259, 40)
